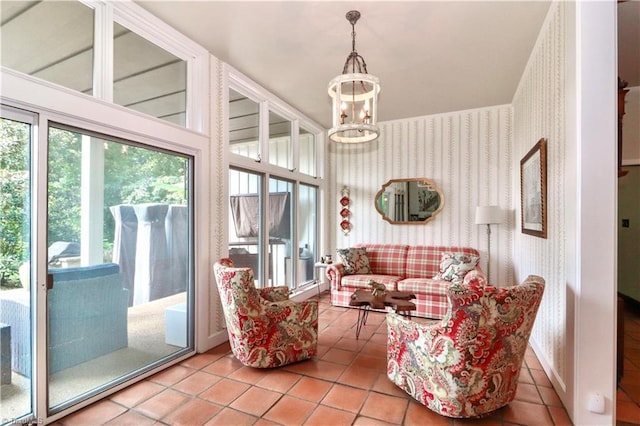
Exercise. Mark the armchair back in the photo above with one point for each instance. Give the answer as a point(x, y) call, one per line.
point(468, 364)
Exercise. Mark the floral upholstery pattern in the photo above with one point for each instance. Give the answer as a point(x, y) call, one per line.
point(265, 328)
point(468, 363)
point(454, 266)
point(354, 260)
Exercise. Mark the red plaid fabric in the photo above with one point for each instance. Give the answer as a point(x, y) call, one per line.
point(403, 268)
point(431, 296)
point(424, 261)
point(361, 281)
point(387, 259)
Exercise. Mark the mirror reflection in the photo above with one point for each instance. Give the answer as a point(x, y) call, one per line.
point(414, 200)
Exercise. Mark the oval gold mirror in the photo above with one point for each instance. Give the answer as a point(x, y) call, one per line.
point(409, 201)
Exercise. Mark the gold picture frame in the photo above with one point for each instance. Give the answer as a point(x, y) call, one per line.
point(533, 190)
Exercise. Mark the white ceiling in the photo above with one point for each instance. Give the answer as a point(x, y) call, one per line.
point(430, 56)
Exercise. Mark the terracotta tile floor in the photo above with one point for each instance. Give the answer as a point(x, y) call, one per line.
point(628, 397)
point(345, 385)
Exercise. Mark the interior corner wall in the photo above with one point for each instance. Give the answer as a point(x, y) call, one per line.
point(539, 112)
point(466, 153)
point(217, 166)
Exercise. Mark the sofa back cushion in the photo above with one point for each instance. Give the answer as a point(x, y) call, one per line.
point(424, 261)
point(387, 259)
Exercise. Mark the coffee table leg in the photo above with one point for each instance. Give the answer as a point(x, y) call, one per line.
point(363, 313)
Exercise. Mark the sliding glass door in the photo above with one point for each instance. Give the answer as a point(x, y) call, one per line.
point(115, 300)
point(118, 261)
point(16, 291)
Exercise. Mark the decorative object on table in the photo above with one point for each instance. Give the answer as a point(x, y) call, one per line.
point(533, 190)
point(328, 259)
point(488, 215)
point(354, 96)
point(345, 212)
point(377, 289)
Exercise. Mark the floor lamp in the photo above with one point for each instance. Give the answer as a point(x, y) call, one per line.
point(487, 215)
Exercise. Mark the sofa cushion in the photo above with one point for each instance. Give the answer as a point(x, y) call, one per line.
point(354, 260)
point(454, 266)
point(424, 286)
point(362, 281)
point(387, 259)
point(424, 261)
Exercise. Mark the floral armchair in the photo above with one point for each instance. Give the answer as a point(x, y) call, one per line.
point(265, 328)
point(467, 364)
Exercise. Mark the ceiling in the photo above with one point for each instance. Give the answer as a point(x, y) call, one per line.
point(430, 56)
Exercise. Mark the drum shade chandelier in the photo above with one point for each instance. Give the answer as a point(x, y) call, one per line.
point(354, 96)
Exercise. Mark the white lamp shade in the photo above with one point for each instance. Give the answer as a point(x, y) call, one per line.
point(488, 214)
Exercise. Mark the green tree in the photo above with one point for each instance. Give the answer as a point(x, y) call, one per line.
point(14, 182)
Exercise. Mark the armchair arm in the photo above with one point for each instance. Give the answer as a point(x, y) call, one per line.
point(335, 272)
point(275, 294)
point(404, 330)
point(305, 312)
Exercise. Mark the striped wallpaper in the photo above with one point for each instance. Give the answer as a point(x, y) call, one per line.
point(467, 154)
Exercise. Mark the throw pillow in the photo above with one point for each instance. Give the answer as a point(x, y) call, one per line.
point(354, 260)
point(453, 267)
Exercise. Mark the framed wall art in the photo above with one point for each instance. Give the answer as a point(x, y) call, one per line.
point(533, 190)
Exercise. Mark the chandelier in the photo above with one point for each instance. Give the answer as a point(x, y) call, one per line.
point(354, 96)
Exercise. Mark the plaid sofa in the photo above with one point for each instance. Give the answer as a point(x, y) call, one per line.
point(402, 268)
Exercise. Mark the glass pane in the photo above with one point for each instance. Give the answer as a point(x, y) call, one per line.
point(280, 231)
point(15, 275)
point(307, 231)
point(307, 152)
point(52, 40)
point(244, 125)
point(279, 141)
point(244, 226)
point(147, 78)
point(119, 238)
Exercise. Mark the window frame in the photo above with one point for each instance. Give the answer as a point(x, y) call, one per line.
point(268, 102)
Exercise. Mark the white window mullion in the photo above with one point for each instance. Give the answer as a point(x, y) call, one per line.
point(103, 53)
point(295, 145)
point(264, 132)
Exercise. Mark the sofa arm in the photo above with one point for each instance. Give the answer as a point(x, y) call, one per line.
point(275, 294)
point(335, 272)
point(475, 276)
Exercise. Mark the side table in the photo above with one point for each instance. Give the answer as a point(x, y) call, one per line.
point(400, 301)
point(319, 273)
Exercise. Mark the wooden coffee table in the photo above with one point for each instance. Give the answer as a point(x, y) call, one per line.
point(364, 300)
